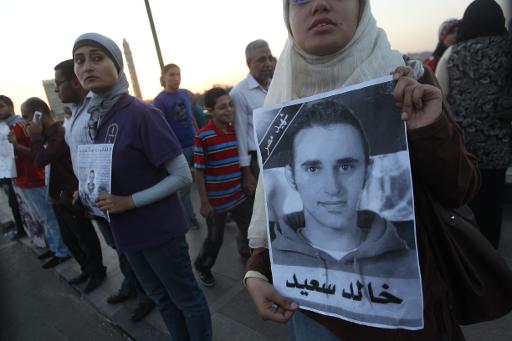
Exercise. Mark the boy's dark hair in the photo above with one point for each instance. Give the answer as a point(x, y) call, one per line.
point(164, 71)
point(7, 101)
point(67, 68)
point(211, 96)
point(322, 114)
point(37, 104)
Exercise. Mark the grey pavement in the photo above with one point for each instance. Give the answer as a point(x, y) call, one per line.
point(38, 305)
point(233, 314)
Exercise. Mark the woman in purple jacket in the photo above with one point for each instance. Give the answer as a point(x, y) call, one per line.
point(148, 168)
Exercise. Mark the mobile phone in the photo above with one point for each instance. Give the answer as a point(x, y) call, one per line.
point(37, 116)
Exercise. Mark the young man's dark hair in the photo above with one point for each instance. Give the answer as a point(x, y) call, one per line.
point(36, 104)
point(7, 101)
point(67, 69)
point(210, 96)
point(323, 114)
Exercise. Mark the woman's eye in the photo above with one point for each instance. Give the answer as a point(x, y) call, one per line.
point(299, 2)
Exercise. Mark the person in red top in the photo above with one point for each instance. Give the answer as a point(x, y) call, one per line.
point(219, 182)
point(31, 181)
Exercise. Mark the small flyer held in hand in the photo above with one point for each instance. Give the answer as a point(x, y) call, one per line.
point(94, 172)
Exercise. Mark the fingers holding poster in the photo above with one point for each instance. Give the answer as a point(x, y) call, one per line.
point(94, 172)
point(338, 190)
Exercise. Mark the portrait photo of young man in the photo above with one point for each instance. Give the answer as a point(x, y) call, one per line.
point(339, 200)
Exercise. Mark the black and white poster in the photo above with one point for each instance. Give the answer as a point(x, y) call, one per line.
point(94, 175)
point(339, 201)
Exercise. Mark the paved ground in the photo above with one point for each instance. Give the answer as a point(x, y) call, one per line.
point(39, 304)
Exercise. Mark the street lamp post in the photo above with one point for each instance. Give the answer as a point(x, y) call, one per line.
point(155, 38)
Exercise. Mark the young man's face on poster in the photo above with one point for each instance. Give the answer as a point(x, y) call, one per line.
point(329, 172)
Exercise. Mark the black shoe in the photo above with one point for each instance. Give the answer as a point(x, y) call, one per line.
point(119, 297)
point(206, 278)
point(7, 227)
point(78, 279)
point(46, 254)
point(141, 311)
point(54, 261)
point(94, 281)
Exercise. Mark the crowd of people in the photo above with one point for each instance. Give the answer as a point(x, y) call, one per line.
point(164, 147)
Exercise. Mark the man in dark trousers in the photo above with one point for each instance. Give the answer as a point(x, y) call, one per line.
point(49, 148)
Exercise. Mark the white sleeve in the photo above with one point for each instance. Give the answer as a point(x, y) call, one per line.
point(178, 178)
point(442, 71)
point(257, 233)
point(241, 124)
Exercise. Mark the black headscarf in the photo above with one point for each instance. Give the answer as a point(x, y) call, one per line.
point(482, 18)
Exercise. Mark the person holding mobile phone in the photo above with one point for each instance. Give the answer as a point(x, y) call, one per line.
point(76, 230)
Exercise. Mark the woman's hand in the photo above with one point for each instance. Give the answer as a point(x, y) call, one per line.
point(421, 104)
point(114, 203)
point(269, 303)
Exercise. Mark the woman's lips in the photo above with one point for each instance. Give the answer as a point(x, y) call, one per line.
point(90, 78)
point(321, 22)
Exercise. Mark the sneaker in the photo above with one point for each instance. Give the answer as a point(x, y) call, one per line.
point(141, 311)
point(206, 278)
point(46, 254)
point(54, 261)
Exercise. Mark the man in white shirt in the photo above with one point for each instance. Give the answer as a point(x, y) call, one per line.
point(248, 95)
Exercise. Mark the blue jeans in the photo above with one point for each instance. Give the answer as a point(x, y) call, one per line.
point(303, 328)
point(185, 192)
point(165, 273)
point(44, 211)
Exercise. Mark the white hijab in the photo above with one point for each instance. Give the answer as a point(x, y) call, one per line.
point(299, 74)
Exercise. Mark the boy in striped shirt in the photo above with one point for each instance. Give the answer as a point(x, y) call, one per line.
point(219, 182)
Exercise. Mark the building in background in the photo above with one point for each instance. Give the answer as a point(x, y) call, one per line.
point(131, 69)
point(53, 100)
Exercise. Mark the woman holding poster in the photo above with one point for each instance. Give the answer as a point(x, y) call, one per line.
point(333, 44)
point(148, 168)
